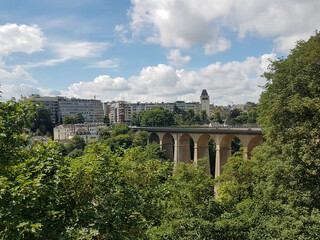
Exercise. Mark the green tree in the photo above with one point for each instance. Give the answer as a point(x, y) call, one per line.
point(15, 119)
point(79, 118)
point(34, 201)
point(120, 129)
point(252, 115)
point(68, 120)
point(135, 119)
point(280, 198)
point(42, 120)
point(104, 133)
point(217, 116)
point(76, 142)
point(140, 139)
point(156, 117)
point(189, 208)
point(106, 120)
point(203, 116)
point(240, 119)
point(75, 153)
point(176, 110)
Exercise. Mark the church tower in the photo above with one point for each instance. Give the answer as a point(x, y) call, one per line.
point(205, 101)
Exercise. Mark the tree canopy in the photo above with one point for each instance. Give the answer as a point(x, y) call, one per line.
point(274, 195)
point(156, 117)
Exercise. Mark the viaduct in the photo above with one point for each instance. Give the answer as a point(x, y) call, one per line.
point(175, 141)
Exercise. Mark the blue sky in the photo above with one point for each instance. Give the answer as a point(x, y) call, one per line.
point(147, 50)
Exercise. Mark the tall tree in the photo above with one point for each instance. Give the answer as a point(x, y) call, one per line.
point(15, 120)
point(157, 117)
point(68, 120)
point(217, 116)
point(79, 118)
point(282, 197)
point(42, 120)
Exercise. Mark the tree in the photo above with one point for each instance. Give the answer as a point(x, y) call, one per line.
point(189, 208)
point(140, 139)
point(240, 119)
point(217, 116)
point(280, 199)
point(42, 120)
point(106, 120)
point(75, 153)
point(15, 119)
point(190, 117)
point(35, 203)
point(79, 118)
point(176, 110)
point(156, 117)
point(135, 119)
point(252, 115)
point(76, 142)
point(120, 129)
point(203, 116)
point(68, 120)
point(104, 133)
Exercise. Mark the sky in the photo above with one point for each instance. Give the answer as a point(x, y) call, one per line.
point(147, 50)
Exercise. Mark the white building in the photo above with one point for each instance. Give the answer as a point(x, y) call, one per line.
point(91, 109)
point(87, 131)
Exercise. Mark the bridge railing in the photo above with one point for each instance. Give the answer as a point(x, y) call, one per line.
point(214, 126)
point(223, 126)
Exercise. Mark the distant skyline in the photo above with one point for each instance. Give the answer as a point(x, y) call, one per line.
point(147, 50)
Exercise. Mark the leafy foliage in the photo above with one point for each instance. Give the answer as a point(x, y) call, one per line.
point(156, 117)
point(15, 117)
point(42, 121)
point(274, 195)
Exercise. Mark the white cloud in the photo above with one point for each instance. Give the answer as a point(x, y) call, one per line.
point(178, 23)
point(217, 45)
point(75, 50)
point(175, 59)
point(20, 38)
point(17, 73)
point(284, 44)
point(236, 81)
point(102, 86)
point(187, 23)
point(121, 32)
point(109, 63)
point(11, 90)
point(72, 50)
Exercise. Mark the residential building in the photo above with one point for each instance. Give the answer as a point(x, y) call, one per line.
point(121, 111)
point(87, 131)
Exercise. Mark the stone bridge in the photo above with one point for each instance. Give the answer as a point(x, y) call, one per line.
point(175, 141)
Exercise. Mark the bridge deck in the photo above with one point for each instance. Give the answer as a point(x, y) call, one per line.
point(209, 130)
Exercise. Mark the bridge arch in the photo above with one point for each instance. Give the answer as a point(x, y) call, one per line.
point(168, 145)
point(202, 150)
point(255, 141)
point(154, 137)
point(184, 151)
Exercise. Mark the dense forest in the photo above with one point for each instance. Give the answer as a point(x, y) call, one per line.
point(119, 187)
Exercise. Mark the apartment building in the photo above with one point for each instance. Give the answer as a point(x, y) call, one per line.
point(121, 111)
